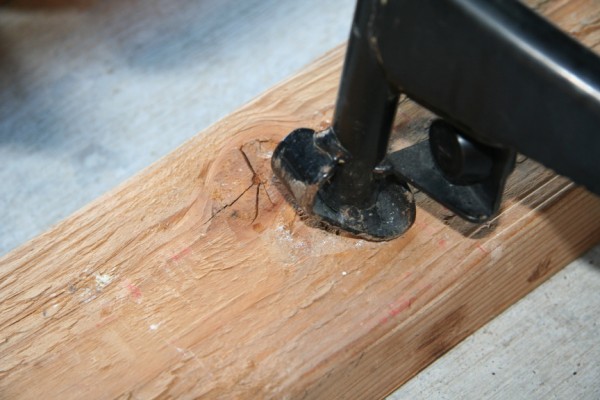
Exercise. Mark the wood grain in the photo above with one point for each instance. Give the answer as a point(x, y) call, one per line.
point(196, 278)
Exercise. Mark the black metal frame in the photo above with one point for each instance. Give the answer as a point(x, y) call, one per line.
point(501, 78)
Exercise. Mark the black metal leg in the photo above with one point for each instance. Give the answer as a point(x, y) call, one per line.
point(502, 78)
point(363, 117)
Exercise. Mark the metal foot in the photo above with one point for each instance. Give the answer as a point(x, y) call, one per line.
point(306, 163)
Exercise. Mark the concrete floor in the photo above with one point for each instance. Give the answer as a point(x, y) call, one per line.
point(92, 91)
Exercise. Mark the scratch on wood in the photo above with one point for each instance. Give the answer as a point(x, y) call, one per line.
point(229, 204)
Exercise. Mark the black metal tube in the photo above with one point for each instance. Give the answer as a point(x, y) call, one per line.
point(364, 114)
point(501, 73)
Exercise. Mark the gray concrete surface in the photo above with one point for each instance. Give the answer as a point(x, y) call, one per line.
point(92, 91)
point(544, 347)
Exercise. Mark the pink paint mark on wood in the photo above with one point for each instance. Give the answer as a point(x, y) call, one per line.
point(135, 292)
point(483, 250)
point(403, 304)
point(397, 308)
point(442, 243)
point(181, 255)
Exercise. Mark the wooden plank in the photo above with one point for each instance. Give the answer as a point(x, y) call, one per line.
point(195, 278)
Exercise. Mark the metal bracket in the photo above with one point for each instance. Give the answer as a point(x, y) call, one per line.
point(465, 176)
point(501, 78)
point(306, 161)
